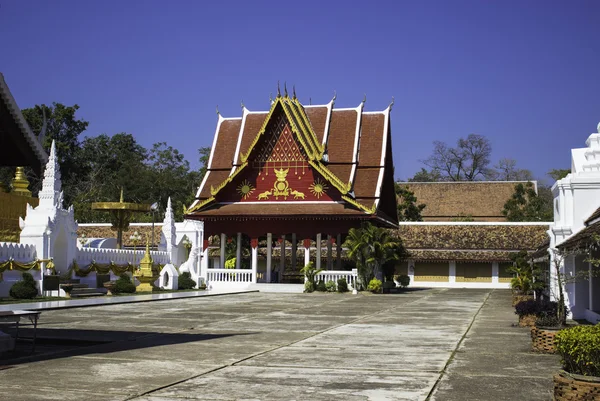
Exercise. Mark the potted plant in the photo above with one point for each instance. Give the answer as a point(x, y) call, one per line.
point(531, 309)
point(543, 333)
point(110, 286)
point(579, 348)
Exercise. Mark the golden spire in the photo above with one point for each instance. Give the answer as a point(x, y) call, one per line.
point(147, 259)
point(20, 184)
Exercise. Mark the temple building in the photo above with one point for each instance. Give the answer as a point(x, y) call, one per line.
point(19, 147)
point(301, 175)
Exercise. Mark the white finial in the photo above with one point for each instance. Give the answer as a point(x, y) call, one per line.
point(168, 229)
point(598, 128)
point(50, 195)
point(169, 204)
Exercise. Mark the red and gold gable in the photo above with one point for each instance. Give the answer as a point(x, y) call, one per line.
point(279, 171)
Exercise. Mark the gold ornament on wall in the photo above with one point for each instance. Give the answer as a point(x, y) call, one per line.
point(245, 189)
point(318, 188)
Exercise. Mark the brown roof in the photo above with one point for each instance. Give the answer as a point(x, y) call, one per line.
point(582, 238)
point(513, 237)
point(446, 201)
point(340, 161)
point(593, 217)
point(461, 256)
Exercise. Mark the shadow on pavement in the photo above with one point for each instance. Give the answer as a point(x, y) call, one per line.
point(62, 343)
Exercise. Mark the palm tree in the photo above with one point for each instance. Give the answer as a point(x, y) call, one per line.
point(371, 247)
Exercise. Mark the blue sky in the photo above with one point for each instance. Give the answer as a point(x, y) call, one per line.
point(526, 74)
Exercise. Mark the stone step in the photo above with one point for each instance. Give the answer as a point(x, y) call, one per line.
point(85, 292)
point(90, 294)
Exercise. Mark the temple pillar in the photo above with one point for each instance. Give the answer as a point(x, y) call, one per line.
point(269, 255)
point(281, 257)
point(222, 253)
point(294, 250)
point(495, 270)
point(238, 251)
point(329, 252)
point(204, 262)
point(306, 244)
point(338, 252)
point(254, 246)
point(318, 262)
point(452, 271)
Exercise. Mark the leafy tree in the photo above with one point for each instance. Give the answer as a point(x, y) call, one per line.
point(408, 210)
point(468, 161)
point(65, 128)
point(371, 247)
point(526, 205)
point(559, 174)
point(426, 176)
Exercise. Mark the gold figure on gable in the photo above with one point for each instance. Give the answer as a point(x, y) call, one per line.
point(245, 189)
point(318, 188)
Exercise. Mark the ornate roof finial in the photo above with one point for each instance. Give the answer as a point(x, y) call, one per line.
point(51, 185)
point(365, 98)
point(392, 103)
point(278, 90)
point(218, 113)
point(310, 100)
point(242, 104)
point(294, 92)
point(285, 93)
point(271, 97)
point(334, 96)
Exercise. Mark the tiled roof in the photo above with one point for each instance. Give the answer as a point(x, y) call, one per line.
point(357, 155)
point(593, 217)
point(581, 238)
point(445, 201)
point(24, 131)
point(473, 236)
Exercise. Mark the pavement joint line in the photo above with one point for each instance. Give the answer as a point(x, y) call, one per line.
point(443, 372)
point(235, 363)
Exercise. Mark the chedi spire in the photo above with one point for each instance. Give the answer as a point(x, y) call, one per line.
point(51, 195)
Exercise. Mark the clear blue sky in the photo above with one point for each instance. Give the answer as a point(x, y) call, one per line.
point(526, 74)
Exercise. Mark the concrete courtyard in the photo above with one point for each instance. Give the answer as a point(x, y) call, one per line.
point(437, 344)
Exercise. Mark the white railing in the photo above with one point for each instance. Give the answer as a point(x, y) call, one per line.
point(18, 252)
point(335, 275)
point(229, 275)
point(85, 256)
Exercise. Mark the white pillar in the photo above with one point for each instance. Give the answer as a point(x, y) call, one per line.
point(411, 271)
point(238, 251)
point(452, 272)
point(254, 262)
point(318, 264)
point(269, 255)
point(222, 255)
point(306, 255)
point(204, 264)
point(495, 272)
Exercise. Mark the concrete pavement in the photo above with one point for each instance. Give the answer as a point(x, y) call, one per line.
point(438, 344)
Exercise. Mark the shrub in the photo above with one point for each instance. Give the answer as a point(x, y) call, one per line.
point(579, 347)
point(24, 289)
point(124, 285)
point(536, 307)
point(403, 280)
point(230, 263)
point(374, 285)
point(310, 272)
point(186, 282)
point(342, 285)
point(331, 286)
point(321, 286)
point(309, 286)
point(547, 320)
point(389, 285)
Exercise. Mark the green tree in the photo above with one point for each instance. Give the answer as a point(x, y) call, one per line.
point(559, 173)
point(370, 247)
point(426, 176)
point(65, 128)
point(526, 205)
point(408, 209)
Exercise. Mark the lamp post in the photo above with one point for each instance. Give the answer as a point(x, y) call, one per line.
point(187, 244)
point(135, 238)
